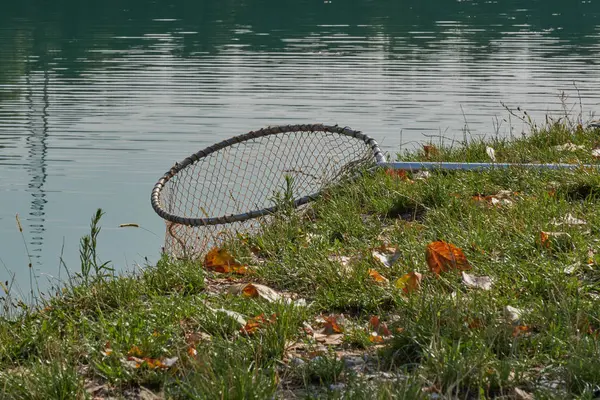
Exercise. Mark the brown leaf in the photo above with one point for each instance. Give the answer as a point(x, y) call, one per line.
point(107, 350)
point(521, 330)
point(397, 173)
point(256, 323)
point(219, 260)
point(377, 277)
point(331, 340)
point(410, 282)
point(442, 256)
point(331, 325)
point(135, 351)
point(378, 327)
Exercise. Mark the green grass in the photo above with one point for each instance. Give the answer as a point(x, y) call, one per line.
point(447, 339)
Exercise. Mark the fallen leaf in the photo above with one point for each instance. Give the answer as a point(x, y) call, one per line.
point(107, 350)
point(568, 147)
point(556, 240)
point(422, 175)
point(256, 323)
point(386, 255)
point(491, 153)
point(520, 394)
point(331, 340)
point(512, 314)
point(375, 338)
point(570, 220)
point(399, 174)
point(344, 261)
point(377, 277)
point(409, 282)
point(477, 282)
point(502, 198)
point(331, 325)
point(135, 351)
point(235, 316)
point(442, 256)
point(521, 330)
point(255, 290)
point(378, 327)
point(596, 152)
point(219, 260)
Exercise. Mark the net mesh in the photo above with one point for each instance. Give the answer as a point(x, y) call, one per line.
point(245, 177)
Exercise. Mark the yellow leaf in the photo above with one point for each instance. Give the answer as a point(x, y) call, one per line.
point(409, 282)
point(219, 260)
point(377, 277)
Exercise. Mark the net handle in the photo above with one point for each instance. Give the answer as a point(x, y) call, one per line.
point(272, 130)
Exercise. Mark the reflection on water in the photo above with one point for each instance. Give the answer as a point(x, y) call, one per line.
point(97, 101)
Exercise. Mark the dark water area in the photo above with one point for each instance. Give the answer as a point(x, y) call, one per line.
point(97, 101)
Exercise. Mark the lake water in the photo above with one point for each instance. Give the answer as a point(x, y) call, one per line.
point(97, 101)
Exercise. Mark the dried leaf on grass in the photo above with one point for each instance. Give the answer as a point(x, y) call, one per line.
point(521, 330)
point(386, 255)
point(409, 282)
point(219, 260)
point(568, 147)
point(502, 198)
point(569, 220)
point(556, 240)
point(400, 174)
point(513, 314)
point(107, 350)
point(235, 316)
point(477, 282)
point(255, 290)
point(331, 325)
point(378, 327)
point(443, 256)
point(491, 153)
point(151, 363)
point(256, 323)
point(378, 278)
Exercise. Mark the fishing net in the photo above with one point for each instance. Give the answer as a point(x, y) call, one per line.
point(232, 186)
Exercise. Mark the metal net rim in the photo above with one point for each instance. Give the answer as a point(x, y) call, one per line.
point(271, 130)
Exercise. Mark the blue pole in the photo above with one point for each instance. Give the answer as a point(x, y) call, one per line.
point(461, 166)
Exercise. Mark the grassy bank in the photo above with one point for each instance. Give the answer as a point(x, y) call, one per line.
point(441, 285)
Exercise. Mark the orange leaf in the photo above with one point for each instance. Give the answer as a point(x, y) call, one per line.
point(135, 351)
point(107, 349)
point(442, 256)
point(256, 323)
point(520, 330)
point(377, 277)
point(376, 325)
point(192, 352)
point(219, 260)
point(331, 326)
point(375, 338)
point(401, 174)
point(250, 291)
point(409, 282)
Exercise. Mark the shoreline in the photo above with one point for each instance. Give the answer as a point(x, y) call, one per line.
point(399, 285)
